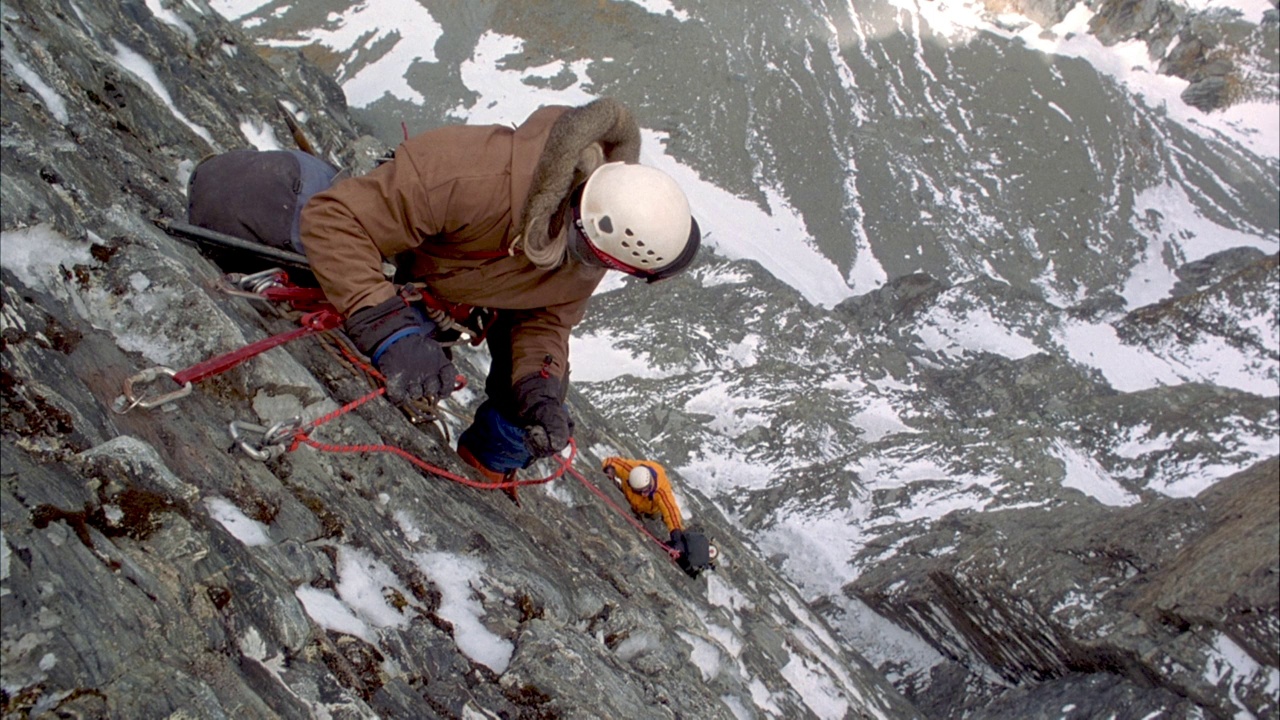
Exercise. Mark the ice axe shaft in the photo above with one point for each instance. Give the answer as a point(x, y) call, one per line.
point(231, 242)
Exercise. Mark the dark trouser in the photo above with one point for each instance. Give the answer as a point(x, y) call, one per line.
point(497, 436)
point(496, 441)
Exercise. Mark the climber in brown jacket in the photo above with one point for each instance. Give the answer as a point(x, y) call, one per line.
point(524, 221)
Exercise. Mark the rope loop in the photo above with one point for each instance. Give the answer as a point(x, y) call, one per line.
point(303, 437)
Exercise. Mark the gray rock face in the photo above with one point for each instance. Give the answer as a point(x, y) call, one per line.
point(1149, 604)
point(1152, 595)
point(148, 572)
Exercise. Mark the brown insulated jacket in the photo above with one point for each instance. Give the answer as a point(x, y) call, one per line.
point(454, 197)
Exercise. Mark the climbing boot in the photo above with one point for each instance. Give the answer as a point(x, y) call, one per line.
point(492, 476)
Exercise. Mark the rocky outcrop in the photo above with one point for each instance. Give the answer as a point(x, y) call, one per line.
point(1225, 58)
point(1177, 598)
point(145, 571)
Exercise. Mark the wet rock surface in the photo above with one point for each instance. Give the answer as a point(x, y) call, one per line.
point(149, 572)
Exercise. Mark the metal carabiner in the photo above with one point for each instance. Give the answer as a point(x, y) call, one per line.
point(283, 431)
point(261, 280)
point(128, 401)
point(273, 438)
point(254, 284)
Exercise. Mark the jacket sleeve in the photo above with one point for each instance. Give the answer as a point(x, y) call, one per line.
point(665, 498)
point(347, 230)
point(537, 334)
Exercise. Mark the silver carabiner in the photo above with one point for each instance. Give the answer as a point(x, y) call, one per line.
point(129, 401)
point(283, 431)
point(254, 284)
point(273, 439)
point(261, 280)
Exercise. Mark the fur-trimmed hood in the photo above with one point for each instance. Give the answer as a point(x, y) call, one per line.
point(581, 140)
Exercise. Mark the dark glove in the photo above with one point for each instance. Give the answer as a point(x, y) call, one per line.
point(677, 542)
point(547, 424)
point(398, 340)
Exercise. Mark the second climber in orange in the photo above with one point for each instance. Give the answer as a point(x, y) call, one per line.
point(645, 485)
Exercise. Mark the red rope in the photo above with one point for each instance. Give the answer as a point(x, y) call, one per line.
point(302, 437)
point(325, 318)
point(358, 362)
point(340, 412)
point(304, 299)
point(318, 321)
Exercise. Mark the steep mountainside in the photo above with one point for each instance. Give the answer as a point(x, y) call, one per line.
point(980, 276)
point(147, 572)
point(983, 357)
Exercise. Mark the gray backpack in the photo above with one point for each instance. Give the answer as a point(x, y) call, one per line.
point(256, 195)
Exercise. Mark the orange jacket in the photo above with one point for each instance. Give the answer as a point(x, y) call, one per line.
point(661, 501)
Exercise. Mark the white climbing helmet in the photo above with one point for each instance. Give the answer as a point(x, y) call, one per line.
point(639, 218)
point(640, 478)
